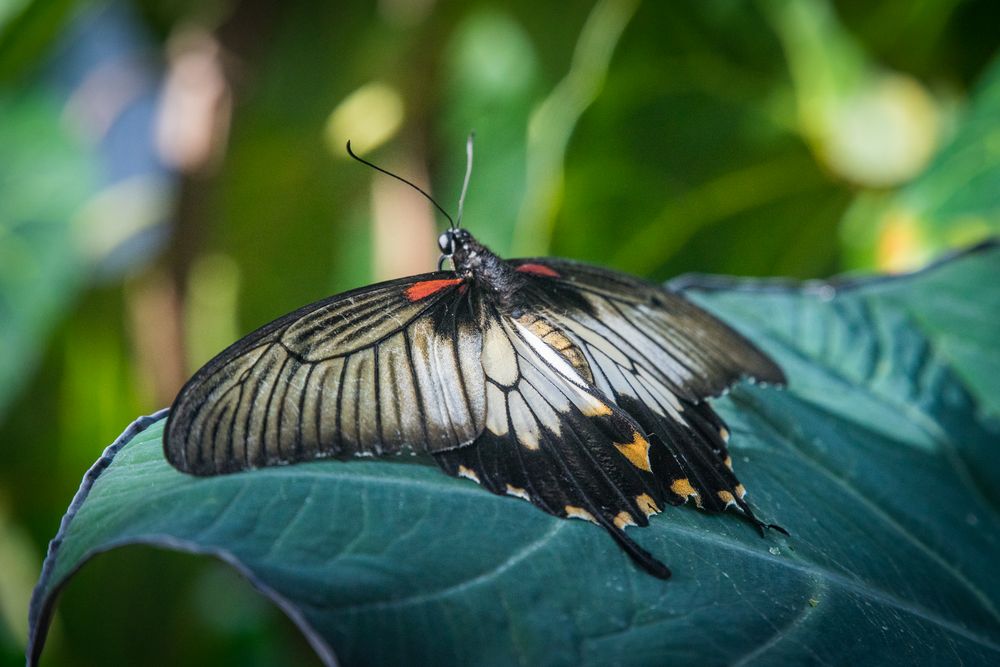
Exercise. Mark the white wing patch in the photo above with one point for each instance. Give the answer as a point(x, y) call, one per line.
point(625, 362)
point(499, 360)
point(530, 384)
point(522, 419)
point(550, 356)
point(636, 383)
point(496, 409)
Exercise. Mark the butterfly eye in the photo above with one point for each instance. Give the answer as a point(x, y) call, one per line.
point(446, 244)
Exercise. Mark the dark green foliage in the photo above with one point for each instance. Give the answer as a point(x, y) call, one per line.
point(693, 153)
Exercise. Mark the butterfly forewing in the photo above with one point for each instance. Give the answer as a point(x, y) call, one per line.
point(384, 369)
point(693, 353)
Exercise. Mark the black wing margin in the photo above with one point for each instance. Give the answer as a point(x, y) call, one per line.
point(386, 368)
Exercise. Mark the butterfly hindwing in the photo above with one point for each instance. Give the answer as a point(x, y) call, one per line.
point(379, 370)
point(551, 438)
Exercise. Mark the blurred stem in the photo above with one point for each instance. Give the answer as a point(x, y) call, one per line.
point(824, 62)
point(404, 228)
point(159, 302)
point(725, 196)
point(551, 125)
point(155, 324)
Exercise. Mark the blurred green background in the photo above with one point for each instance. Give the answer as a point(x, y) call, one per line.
point(172, 175)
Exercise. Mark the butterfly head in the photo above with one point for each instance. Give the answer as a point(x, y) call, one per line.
point(469, 257)
point(447, 243)
point(457, 245)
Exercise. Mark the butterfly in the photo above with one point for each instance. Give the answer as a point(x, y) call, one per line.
point(579, 389)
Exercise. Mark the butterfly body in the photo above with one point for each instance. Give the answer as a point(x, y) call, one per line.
point(578, 389)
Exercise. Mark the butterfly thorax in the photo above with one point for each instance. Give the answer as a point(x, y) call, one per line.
point(505, 285)
point(474, 261)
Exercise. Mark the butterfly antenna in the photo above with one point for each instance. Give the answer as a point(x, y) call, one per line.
point(468, 176)
point(400, 178)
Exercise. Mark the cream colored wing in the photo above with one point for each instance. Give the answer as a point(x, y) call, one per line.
point(388, 368)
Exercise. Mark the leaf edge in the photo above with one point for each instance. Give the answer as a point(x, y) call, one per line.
point(45, 595)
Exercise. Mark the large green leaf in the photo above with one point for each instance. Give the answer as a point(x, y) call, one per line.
point(876, 458)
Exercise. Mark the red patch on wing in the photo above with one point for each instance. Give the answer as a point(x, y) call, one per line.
point(538, 270)
point(425, 288)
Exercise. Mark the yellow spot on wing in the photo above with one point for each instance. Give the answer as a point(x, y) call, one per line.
point(726, 497)
point(468, 474)
point(682, 487)
point(646, 504)
point(637, 452)
point(573, 512)
point(594, 408)
point(624, 519)
point(729, 462)
point(724, 433)
point(740, 491)
point(517, 492)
